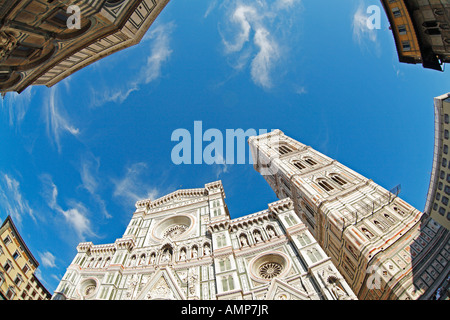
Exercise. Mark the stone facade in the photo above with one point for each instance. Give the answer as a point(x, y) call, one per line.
point(421, 30)
point(40, 44)
point(185, 246)
point(437, 205)
point(384, 248)
point(18, 267)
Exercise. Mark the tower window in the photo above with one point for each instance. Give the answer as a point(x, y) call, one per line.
point(402, 29)
point(310, 161)
point(284, 149)
point(325, 185)
point(396, 12)
point(339, 180)
point(299, 165)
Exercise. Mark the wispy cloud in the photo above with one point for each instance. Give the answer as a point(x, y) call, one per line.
point(16, 105)
point(90, 181)
point(157, 40)
point(56, 121)
point(47, 259)
point(364, 35)
point(221, 166)
point(252, 36)
point(12, 200)
point(76, 216)
point(131, 187)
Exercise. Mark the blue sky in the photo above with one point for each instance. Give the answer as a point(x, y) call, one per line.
point(75, 158)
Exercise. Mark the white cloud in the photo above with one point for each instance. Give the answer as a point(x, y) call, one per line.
point(12, 200)
point(131, 188)
point(362, 33)
point(75, 216)
point(257, 33)
point(211, 7)
point(16, 105)
point(158, 38)
point(262, 63)
point(220, 166)
point(56, 122)
point(89, 177)
point(47, 259)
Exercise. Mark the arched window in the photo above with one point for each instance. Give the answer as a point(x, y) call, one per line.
point(310, 161)
point(338, 180)
point(132, 261)
point(142, 259)
point(314, 255)
point(284, 149)
point(99, 263)
point(225, 264)
point(368, 234)
point(398, 210)
point(389, 218)
point(227, 283)
point(289, 220)
point(220, 240)
point(299, 165)
point(325, 185)
point(378, 224)
point(303, 239)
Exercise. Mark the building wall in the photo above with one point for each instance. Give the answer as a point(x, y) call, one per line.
point(384, 248)
point(437, 205)
point(185, 246)
point(421, 30)
point(38, 47)
point(17, 267)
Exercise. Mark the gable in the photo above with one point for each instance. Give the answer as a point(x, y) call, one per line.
point(280, 290)
point(162, 286)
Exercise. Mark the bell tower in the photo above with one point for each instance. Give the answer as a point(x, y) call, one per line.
point(381, 244)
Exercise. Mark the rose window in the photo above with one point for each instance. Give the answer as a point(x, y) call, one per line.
point(270, 270)
point(175, 231)
point(89, 290)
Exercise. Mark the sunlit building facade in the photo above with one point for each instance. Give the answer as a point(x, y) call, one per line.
point(421, 30)
point(437, 205)
point(185, 246)
point(17, 267)
point(43, 42)
point(383, 247)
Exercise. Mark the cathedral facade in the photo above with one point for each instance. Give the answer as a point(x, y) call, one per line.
point(383, 247)
point(185, 246)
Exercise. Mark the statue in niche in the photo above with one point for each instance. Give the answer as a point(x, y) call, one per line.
point(152, 258)
point(166, 256)
point(338, 292)
point(257, 236)
point(194, 252)
point(206, 250)
point(183, 255)
point(243, 239)
point(271, 232)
